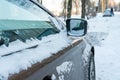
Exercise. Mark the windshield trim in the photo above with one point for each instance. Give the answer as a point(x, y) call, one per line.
point(40, 6)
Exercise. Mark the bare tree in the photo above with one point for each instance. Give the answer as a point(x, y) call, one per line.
point(69, 8)
point(77, 5)
point(64, 12)
point(83, 8)
point(88, 6)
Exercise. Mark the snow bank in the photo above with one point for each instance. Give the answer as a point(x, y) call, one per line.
point(107, 57)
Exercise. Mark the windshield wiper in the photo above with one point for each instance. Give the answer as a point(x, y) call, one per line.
point(47, 32)
point(19, 51)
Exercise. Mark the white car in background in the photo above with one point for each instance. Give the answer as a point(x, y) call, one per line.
point(107, 13)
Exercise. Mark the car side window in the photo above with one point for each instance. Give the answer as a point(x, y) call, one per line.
point(24, 20)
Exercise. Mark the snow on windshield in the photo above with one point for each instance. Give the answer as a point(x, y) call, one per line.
point(28, 57)
point(12, 11)
point(22, 10)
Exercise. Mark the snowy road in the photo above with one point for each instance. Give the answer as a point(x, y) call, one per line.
point(107, 54)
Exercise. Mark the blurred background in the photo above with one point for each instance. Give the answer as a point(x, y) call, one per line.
point(90, 7)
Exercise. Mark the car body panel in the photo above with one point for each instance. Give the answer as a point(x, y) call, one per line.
point(72, 54)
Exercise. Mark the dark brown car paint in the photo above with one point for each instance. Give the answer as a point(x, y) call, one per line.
point(48, 66)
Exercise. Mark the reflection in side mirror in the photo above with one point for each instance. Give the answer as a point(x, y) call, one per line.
point(76, 27)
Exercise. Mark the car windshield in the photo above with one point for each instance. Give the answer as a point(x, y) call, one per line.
point(107, 11)
point(23, 19)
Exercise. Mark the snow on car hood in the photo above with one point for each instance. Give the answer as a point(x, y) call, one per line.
point(18, 61)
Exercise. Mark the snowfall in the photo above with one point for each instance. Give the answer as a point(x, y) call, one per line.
point(105, 32)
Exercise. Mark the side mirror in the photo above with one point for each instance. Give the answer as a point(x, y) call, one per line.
point(76, 27)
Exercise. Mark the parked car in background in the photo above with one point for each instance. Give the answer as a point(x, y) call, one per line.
point(36, 45)
point(107, 13)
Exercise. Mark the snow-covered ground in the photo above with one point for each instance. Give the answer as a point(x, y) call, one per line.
point(107, 53)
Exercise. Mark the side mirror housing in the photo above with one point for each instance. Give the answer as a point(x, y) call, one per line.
point(76, 27)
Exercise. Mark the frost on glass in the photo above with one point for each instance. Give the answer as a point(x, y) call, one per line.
point(30, 7)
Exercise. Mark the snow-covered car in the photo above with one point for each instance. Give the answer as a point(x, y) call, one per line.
point(107, 13)
point(36, 45)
